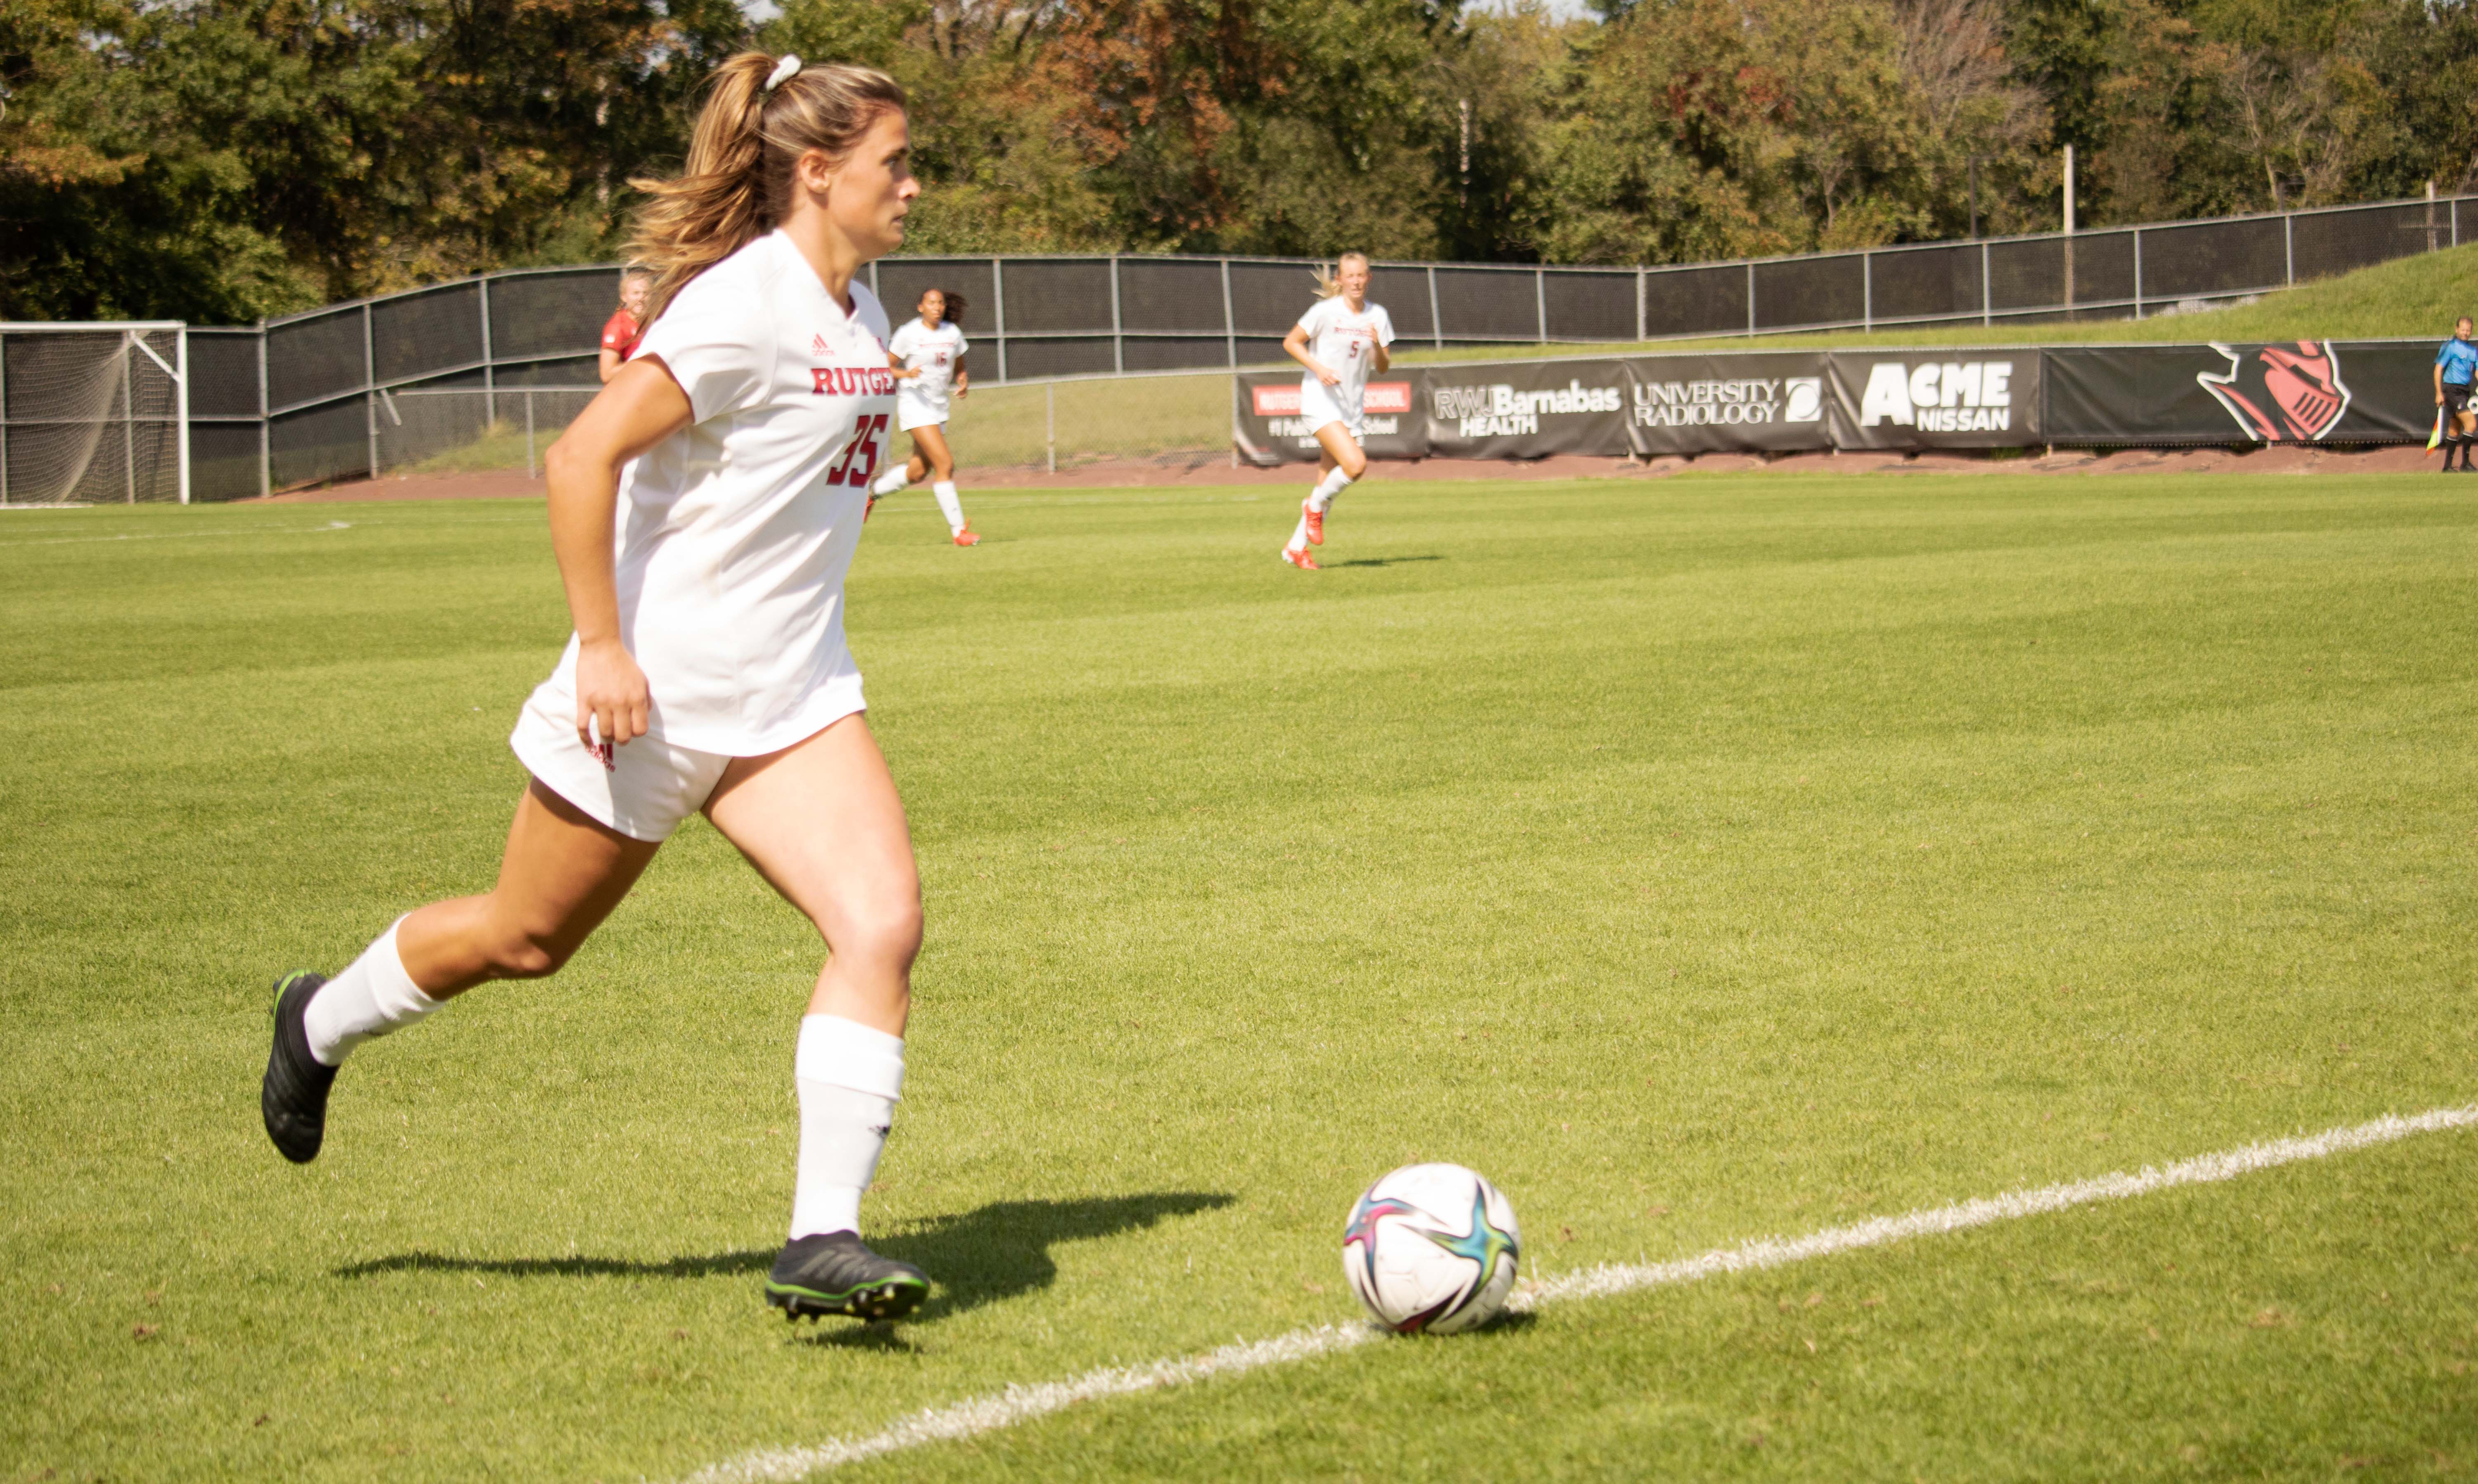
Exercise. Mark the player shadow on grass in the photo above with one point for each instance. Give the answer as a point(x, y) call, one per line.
point(1378, 561)
point(1002, 1250)
point(974, 1258)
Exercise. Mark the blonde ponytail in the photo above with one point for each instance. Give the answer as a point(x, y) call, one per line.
point(738, 182)
point(1329, 280)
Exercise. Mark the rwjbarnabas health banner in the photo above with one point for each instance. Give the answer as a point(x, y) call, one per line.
point(1525, 408)
point(1267, 428)
point(1768, 400)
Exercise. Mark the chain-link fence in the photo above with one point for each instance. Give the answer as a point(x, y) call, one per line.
point(395, 382)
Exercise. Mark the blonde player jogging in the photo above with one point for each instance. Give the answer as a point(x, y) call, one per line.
point(1340, 340)
point(928, 357)
point(703, 509)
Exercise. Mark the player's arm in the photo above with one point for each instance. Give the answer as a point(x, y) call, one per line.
point(2438, 378)
point(962, 377)
point(894, 364)
point(1296, 343)
point(610, 362)
point(639, 408)
point(1384, 361)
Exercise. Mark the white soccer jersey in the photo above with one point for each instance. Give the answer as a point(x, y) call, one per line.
point(734, 533)
point(1346, 345)
point(933, 353)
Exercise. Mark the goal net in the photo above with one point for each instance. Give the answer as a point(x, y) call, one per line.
point(93, 414)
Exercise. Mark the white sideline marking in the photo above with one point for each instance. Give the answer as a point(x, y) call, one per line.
point(1024, 1403)
point(185, 535)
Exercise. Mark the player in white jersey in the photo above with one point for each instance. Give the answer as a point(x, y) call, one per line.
point(928, 357)
point(1340, 341)
point(704, 509)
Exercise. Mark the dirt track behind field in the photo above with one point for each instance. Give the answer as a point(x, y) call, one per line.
point(1216, 470)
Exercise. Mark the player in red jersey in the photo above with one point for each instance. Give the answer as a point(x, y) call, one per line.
point(626, 325)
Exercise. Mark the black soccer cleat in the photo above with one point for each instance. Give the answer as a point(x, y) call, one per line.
point(836, 1274)
point(293, 1096)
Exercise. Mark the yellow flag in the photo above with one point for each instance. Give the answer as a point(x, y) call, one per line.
point(2435, 440)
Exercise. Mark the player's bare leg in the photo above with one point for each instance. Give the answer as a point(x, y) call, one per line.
point(821, 822)
point(561, 874)
point(929, 452)
point(1341, 461)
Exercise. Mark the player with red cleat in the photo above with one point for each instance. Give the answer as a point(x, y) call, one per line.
point(1339, 340)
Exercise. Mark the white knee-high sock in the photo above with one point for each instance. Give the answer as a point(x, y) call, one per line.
point(372, 998)
point(1299, 540)
point(895, 479)
point(944, 490)
point(849, 1078)
point(1322, 497)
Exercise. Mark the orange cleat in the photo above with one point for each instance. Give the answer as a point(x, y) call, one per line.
point(1298, 556)
point(968, 536)
point(869, 508)
point(1315, 519)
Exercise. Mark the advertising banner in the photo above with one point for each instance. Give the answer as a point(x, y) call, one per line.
point(1267, 428)
point(2291, 392)
point(1959, 398)
point(1768, 400)
point(1526, 409)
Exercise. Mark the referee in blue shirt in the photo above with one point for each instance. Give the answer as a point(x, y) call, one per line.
point(2454, 365)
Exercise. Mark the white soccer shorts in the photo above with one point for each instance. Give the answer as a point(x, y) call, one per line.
point(650, 787)
point(1319, 406)
point(912, 412)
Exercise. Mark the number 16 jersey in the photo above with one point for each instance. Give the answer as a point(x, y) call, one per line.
point(734, 534)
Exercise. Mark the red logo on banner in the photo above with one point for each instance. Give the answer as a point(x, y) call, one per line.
point(2281, 391)
point(1284, 400)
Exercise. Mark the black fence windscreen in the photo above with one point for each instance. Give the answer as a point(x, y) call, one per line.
point(310, 390)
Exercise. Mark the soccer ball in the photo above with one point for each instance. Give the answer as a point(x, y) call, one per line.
point(1431, 1248)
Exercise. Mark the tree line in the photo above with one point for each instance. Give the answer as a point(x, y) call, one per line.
point(221, 159)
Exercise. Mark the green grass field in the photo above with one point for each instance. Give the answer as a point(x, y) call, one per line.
point(1705, 860)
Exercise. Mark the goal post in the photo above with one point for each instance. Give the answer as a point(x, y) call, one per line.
point(95, 412)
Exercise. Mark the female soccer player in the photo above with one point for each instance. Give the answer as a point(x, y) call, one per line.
point(627, 323)
point(1340, 340)
point(928, 357)
point(704, 509)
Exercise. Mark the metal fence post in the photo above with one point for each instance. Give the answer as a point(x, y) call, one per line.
point(1118, 336)
point(369, 388)
point(1230, 319)
point(1751, 299)
point(1540, 298)
point(1642, 281)
point(998, 292)
point(529, 432)
point(266, 421)
point(489, 363)
point(2137, 272)
point(2289, 248)
point(1986, 291)
point(2456, 221)
point(1436, 321)
point(1867, 292)
point(4, 419)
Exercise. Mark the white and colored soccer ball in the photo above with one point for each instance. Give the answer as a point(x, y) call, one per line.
point(1431, 1248)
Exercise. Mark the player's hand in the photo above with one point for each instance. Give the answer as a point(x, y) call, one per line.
point(963, 389)
point(611, 698)
point(1326, 376)
point(2438, 399)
